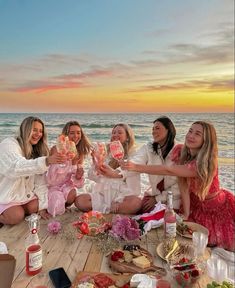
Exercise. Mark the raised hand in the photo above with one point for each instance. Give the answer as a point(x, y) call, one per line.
point(56, 158)
point(128, 165)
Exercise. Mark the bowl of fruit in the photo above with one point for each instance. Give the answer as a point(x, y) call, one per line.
point(186, 272)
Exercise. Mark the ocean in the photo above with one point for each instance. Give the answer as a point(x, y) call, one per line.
point(98, 127)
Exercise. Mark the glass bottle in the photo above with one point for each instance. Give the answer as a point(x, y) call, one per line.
point(33, 247)
point(170, 218)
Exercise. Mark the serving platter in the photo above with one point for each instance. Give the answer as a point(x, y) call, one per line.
point(89, 275)
point(125, 267)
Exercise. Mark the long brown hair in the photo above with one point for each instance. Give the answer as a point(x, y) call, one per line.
point(128, 145)
point(84, 145)
point(206, 159)
point(170, 140)
point(24, 134)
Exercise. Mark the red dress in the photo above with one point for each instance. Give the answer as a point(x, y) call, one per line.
point(216, 212)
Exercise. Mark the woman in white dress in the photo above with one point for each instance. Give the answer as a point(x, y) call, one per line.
point(113, 190)
point(158, 152)
point(24, 161)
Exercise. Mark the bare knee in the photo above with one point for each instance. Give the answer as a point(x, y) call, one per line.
point(83, 202)
point(13, 215)
point(130, 205)
point(71, 197)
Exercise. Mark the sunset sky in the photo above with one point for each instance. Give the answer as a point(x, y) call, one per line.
point(117, 56)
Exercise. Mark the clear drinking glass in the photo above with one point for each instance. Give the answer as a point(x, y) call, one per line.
point(200, 241)
point(217, 269)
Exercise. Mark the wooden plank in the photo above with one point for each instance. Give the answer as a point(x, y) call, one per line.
point(94, 260)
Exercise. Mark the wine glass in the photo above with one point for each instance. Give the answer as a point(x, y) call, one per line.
point(117, 150)
point(61, 146)
point(71, 150)
point(99, 153)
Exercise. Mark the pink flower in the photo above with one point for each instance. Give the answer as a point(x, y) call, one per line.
point(54, 227)
point(125, 228)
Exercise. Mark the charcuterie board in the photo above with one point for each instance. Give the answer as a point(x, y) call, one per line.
point(103, 279)
point(137, 261)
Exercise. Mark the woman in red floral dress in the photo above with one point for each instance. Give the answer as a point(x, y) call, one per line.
point(203, 201)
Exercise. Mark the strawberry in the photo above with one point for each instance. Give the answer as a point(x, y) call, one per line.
point(114, 257)
point(120, 254)
point(117, 255)
point(195, 273)
point(186, 276)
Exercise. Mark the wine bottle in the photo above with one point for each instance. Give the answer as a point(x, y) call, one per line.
point(170, 218)
point(33, 247)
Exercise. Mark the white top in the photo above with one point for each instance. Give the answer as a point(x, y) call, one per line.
point(146, 155)
point(21, 179)
point(104, 190)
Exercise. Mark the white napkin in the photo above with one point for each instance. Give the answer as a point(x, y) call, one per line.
point(143, 281)
point(3, 248)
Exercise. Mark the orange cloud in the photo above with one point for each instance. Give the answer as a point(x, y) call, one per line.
point(213, 85)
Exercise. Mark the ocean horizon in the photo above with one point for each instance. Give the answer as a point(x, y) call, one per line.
point(98, 126)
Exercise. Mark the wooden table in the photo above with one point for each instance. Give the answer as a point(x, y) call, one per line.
point(74, 256)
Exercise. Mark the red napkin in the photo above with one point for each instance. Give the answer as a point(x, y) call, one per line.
point(156, 216)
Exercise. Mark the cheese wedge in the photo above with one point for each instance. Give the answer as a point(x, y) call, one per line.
point(141, 261)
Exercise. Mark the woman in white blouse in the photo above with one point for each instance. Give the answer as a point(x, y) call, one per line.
point(113, 190)
point(24, 161)
point(156, 153)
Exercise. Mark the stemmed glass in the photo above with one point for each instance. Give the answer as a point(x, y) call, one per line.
point(62, 146)
point(117, 150)
point(72, 149)
point(99, 153)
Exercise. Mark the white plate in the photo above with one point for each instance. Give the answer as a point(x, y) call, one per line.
point(194, 227)
point(189, 254)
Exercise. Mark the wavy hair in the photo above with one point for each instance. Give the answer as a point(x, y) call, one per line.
point(206, 159)
point(170, 140)
point(128, 146)
point(24, 135)
point(84, 145)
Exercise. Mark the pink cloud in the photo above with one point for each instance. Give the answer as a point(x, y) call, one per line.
point(41, 87)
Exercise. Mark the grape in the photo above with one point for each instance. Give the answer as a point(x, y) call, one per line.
point(215, 284)
point(227, 284)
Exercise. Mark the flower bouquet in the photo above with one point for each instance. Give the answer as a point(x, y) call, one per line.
point(125, 228)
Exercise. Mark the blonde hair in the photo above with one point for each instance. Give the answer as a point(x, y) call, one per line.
point(206, 159)
point(128, 146)
point(24, 135)
point(84, 145)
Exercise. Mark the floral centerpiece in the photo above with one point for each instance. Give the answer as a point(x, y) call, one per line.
point(105, 234)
